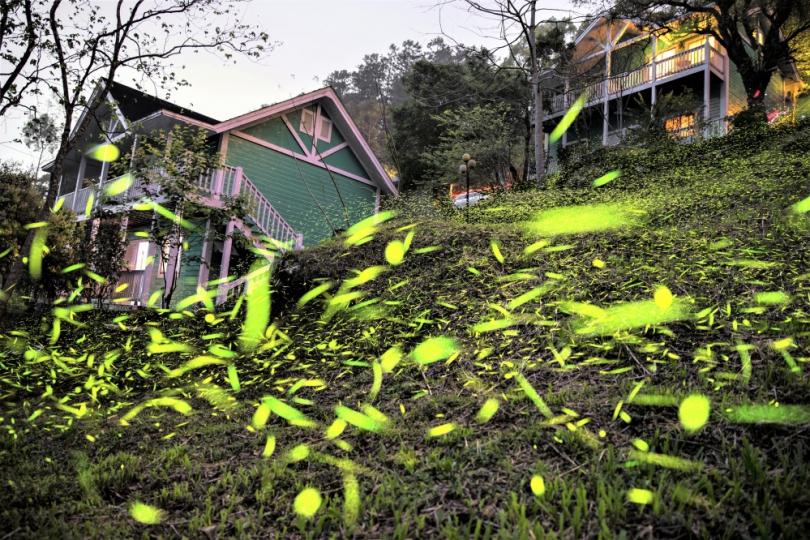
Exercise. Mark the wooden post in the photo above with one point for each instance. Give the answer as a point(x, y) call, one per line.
point(726, 81)
point(79, 180)
point(146, 284)
point(605, 124)
point(218, 183)
point(654, 67)
point(237, 181)
point(606, 104)
point(173, 266)
point(207, 249)
point(707, 81)
point(226, 255)
point(149, 269)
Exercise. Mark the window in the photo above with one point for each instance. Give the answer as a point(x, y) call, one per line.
point(681, 126)
point(307, 122)
point(325, 131)
point(140, 257)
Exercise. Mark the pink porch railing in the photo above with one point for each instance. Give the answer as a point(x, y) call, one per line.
point(231, 182)
point(216, 184)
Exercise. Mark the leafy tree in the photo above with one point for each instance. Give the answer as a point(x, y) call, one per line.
point(104, 254)
point(41, 134)
point(80, 50)
point(434, 89)
point(23, 24)
point(756, 33)
point(515, 23)
point(19, 205)
point(63, 247)
point(170, 166)
point(375, 86)
point(488, 134)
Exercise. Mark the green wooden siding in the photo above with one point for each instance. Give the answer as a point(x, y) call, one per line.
point(275, 131)
point(189, 270)
point(277, 176)
point(630, 57)
point(345, 160)
point(737, 98)
point(774, 98)
point(715, 102)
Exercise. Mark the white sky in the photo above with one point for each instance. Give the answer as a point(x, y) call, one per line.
point(318, 36)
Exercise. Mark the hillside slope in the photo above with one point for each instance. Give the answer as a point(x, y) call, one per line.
point(555, 336)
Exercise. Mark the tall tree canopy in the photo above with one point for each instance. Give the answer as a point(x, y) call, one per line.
point(434, 89)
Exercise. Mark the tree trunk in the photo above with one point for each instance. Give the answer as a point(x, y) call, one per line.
point(527, 145)
point(539, 150)
point(539, 158)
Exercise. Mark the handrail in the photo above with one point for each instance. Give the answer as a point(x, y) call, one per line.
point(224, 288)
point(640, 76)
point(214, 183)
point(266, 217)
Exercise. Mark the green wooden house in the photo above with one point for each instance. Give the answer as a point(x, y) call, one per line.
point(302, 163)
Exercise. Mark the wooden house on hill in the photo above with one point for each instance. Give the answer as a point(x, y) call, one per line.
point(294, 160)
point(616, 62)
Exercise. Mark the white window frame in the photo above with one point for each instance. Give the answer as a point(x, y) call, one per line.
point(303, 127)
point(321, 122)
point(141, 254)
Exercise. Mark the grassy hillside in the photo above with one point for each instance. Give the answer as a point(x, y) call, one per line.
point(520, 375)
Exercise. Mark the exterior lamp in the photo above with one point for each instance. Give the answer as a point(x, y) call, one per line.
point(465, 167)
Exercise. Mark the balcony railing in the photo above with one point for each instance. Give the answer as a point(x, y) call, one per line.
point(707, 130)
point(626, 82)
point(214, 185)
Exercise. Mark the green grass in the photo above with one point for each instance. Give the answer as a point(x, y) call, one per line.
point(713, 225)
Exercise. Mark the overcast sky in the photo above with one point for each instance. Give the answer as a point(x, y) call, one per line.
point(318, 37)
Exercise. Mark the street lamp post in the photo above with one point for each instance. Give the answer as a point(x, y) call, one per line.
point(465, 167)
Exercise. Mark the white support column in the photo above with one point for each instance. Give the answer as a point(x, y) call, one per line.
point(605, 123)
point(606, 104)
point(707, 89)
point(80, 175)
point(59, 192)
point(207, 249)
point(726, 81)
point(147, 273)
point(707, 79)
point(105, 170)
point(152, 257)
point(654, 68)
point(224, 267)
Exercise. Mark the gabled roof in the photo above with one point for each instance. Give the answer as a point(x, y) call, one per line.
point(330, 101)
point(135, 105)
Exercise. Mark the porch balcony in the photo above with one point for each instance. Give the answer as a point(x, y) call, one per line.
point(212, 188)
point(653, 72)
